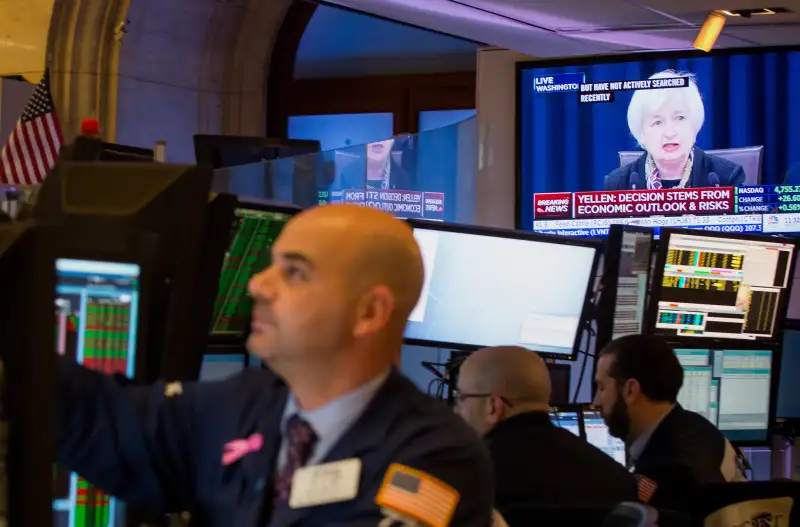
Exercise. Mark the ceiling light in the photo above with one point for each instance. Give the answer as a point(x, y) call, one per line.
point(710, 31)
point(747, 13)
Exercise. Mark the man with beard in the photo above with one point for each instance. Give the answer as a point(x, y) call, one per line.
point(672, 450)
point(504, 394)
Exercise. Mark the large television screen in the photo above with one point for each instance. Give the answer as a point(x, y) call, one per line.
point(478, 289)
point(681, 139)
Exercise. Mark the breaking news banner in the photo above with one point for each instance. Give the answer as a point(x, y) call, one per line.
point(407, 204)
point(627, 203)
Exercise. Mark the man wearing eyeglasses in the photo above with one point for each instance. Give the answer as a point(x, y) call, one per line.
point(504, 394)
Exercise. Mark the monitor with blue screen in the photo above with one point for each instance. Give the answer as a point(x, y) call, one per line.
point(491, 287)
point(732, 388)
point(569, 421)
point(96, 312)
point(219, 367)
point(676, 139)
point(598, 435)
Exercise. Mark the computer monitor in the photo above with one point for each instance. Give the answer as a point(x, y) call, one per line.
point(569, 420)
point(490, 287)
point(735, 389)
point(720, 286)
point(597, 434)
point(97, 314)
point(151, 213)
point(788, 387)
point(219, 367)
point(625, 283)
point(560, 376)
point(28, 393)
point(253, 233)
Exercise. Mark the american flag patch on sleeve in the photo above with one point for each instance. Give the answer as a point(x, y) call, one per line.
point(647, 487)
point(418, 495)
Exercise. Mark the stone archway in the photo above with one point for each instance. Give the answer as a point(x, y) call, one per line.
point(182, 67)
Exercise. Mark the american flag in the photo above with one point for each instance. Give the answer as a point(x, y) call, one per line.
point(32, 148)
point(647, 487)
point(417, 495)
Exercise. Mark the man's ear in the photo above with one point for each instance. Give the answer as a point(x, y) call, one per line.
point(496, 409)
point(631, 390)
point(374, 311)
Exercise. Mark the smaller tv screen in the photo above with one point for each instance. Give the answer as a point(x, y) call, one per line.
point(490, 288)
point(720, 287)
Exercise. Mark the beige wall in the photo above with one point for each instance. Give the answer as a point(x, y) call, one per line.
point(496, 101)
point(181, 67)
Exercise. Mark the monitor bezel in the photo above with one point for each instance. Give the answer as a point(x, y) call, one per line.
point(732, 343)
point(774, 379)
point(238, 338)
point(609, 281)
point(566, 370)
point(516, 235)
point(792, 325)
point(146, 280)
point(591, 60)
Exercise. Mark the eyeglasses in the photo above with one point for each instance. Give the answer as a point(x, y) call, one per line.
point(458, 397)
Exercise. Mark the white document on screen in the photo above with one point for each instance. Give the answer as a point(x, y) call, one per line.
point(428, 243)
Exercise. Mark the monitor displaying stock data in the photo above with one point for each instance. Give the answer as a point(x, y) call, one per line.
point(597, 434)
point(96, 311)
point(252, 236)
point(632, 274)
point(720, 287)
point(731, 388)
point(478, 290)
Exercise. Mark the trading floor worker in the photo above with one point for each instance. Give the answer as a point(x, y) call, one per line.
point(335, 436)
point(504, 394)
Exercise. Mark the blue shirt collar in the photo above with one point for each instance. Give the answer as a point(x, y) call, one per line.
point(333, 419)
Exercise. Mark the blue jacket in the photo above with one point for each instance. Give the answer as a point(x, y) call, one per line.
point(729, 174)
point(164, 452)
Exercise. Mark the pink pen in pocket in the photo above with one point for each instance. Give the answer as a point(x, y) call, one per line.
point(238, 448)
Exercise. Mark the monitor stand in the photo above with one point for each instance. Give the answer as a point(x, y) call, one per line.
point(783, 455)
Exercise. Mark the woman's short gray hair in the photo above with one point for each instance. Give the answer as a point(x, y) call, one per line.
point(645, 102)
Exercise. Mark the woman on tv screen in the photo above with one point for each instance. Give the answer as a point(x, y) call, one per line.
point(665, 122)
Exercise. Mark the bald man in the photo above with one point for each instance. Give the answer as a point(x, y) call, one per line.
point(504, 394)
point(337, 437)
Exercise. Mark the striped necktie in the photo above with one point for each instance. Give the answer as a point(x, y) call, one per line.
point(300, 442)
